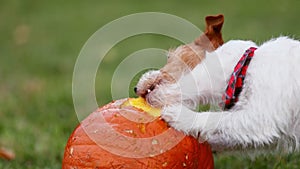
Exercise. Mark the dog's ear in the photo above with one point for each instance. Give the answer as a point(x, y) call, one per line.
point(212, 37)
point(214, 24)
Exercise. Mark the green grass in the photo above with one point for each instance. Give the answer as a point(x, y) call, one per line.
point(39, 44)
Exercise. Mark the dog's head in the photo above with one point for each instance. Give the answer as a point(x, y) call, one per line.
point(182, 60)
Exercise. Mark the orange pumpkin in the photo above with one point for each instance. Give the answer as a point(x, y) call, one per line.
point(129, 134)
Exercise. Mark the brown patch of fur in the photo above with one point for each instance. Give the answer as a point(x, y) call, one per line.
point(186, 57)
point(189, 56)
point(192, 54)
point(192, 57)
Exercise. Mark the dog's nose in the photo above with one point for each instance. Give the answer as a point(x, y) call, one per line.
point(135, 89)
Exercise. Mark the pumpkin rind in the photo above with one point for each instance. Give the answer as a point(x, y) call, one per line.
point(134, 142)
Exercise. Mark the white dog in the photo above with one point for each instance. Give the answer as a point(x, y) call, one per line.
point(266, 115)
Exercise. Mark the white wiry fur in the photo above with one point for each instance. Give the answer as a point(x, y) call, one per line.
point(267, 115)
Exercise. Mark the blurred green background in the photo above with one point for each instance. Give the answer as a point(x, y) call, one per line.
point(39, 44)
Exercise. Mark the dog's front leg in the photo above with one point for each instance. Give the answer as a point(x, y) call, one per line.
point(191, 122)
point(223, 130)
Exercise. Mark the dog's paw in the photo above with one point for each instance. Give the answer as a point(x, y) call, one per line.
point(181, 118)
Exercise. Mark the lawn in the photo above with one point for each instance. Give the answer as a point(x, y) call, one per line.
point(41, 40)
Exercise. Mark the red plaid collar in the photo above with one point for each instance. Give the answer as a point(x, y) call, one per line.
point(236, 81)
